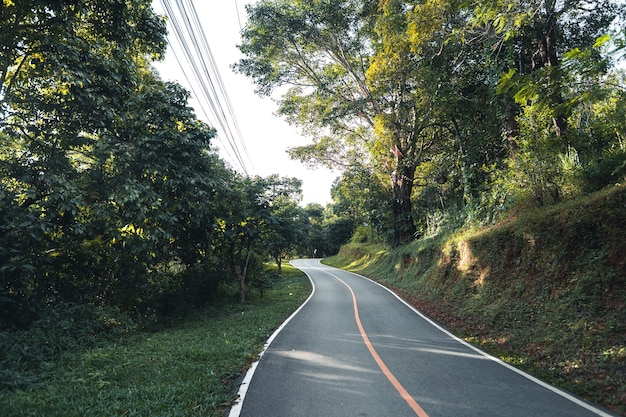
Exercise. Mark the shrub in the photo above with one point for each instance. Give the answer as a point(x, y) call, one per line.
point(27, 356)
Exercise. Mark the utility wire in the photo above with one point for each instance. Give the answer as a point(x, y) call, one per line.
point(238, 18)
point(205, 71)
point(196, 27)
point(198, 74)
point(204, 79)
point(201, 104)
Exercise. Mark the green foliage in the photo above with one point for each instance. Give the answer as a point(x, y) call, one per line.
point(29, 356)
point(359, 194)
point(286, 229)
point(327, 230)
point(68, 72)
point(607, 170)
point(338, 231)
point(455, 105)
point(559, 73)
point(254, 218)
point(362, 234)
point(95, 363)
point(265, 281)
point(323, 46)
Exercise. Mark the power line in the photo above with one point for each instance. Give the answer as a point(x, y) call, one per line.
point(188, 30)
point(220, 82)
point(203, 74)
point(238, 18)
point(200, 103)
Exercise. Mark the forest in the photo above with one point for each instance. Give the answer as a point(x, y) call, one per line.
point(439, 114)
point(446, 113)
point(112, 193)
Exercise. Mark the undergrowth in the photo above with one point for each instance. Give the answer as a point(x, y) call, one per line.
point(79, 362)
point(28, 356)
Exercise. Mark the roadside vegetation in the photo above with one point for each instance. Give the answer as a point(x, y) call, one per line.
point(112, 194)
point(481, 147)
point(543, 290)
point(79, 362)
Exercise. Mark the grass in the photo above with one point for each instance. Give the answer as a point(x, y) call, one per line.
point(184, 370)
point(544, 291)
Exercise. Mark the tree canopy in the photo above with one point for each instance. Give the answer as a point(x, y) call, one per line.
point(110, 190)
point(465, 108)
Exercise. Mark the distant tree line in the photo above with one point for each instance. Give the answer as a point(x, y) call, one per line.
point(110, 191)
point(444, 112)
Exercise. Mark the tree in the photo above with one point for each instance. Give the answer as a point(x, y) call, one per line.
point(286, 227)
point(155, 183)
point(259, 217)
point(65, 69)
point(316, 238)
point(437, 114)
point(321, 49)
point(370, 82)
point(359, 194)
point(401, 122)
point(549, 59)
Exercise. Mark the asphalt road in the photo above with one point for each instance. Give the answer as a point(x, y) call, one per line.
point(355, 349)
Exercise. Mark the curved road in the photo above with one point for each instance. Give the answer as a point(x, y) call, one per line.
point(355, 349)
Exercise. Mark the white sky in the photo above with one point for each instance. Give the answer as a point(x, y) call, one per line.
point(266, 136)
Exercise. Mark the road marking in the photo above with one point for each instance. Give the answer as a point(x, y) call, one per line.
point(381, 364)
point(235, 411)
point(555, 390)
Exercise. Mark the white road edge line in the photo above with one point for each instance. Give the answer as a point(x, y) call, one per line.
point(537, 381)
point(235, 411)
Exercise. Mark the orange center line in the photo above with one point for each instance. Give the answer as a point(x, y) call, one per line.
point(381, 364)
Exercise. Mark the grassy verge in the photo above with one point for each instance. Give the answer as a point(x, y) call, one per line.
point(184, 370)
point(545, 291)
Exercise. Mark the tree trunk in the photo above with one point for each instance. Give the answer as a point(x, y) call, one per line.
point(279, 265)
point(465, 170)
point(240, 271)
point(511, 125)
point(241, 280)
point(402, 209)
point(547, 57)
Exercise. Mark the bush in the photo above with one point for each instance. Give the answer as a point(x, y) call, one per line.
point(264, 281)
point(608, 170)
point(27, 356)
point(362, 234)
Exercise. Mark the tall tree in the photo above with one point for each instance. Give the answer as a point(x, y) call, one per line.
point(287, 225)
point(435, 99)
point(371, 82)
point(322, 51)
point(153, 187)
point(245, 213)
point(65, 69)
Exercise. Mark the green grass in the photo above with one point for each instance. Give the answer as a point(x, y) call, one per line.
point(184, 370)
